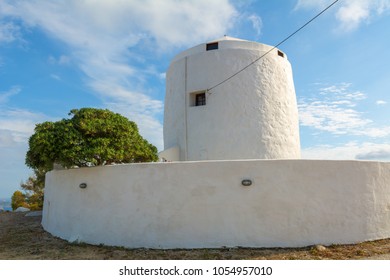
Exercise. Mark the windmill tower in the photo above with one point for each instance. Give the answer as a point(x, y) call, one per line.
point(253, 115)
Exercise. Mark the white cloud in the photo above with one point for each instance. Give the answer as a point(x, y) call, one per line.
point(17, 125)
point(6, 138)
point(350, 13)
point(9, 32)
point(162, 76)
point(104, 39)
point(380, 102)
point(138, 102)
point(312, 4)
point(333, 110)
point(55, 77)
point(349, 151)
point(257, 23)
point(12, 168)
point(95, 24)
point(61, 60)
point(136, 106)
point(377, 154)
point(4, 96)
point(149, 127)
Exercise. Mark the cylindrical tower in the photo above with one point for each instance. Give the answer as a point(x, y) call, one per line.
point(253, 115)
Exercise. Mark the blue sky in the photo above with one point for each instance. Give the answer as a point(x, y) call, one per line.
point(59, 55)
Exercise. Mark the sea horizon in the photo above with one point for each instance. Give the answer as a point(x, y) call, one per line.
point(5, 204)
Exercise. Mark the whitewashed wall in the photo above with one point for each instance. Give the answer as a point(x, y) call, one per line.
point(203, 204)
point(252, 116)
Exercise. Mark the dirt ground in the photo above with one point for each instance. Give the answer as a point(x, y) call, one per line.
point(23, 238)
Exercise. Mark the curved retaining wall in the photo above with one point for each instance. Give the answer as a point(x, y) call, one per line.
point(203, 204)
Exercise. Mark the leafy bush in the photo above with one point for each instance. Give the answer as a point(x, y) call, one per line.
point(18, 200)
point(91, 137)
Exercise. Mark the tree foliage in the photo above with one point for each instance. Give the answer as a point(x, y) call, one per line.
point(34, 189)
point(18, 200)
point(36, 183)
point(90, 137)
point(32, 197)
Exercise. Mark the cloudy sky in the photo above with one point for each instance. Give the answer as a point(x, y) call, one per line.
point(65, 54)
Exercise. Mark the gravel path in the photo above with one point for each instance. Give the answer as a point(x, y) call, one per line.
point(23, 238)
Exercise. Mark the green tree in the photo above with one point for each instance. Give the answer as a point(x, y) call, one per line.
point(90, 137)
point(34, 189)
point(18, 200)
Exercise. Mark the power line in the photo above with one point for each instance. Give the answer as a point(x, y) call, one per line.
point(277, 45)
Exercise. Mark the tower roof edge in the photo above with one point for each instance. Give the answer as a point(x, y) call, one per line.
point(227, 38)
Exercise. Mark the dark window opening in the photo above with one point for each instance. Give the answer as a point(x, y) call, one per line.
point(197, 98)
point(280, 54)
point(200, 99)
point(212, 46)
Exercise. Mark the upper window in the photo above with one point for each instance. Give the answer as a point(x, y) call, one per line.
point(200, 99)
point(280, 53)
point(212, 46)
point(197, 98)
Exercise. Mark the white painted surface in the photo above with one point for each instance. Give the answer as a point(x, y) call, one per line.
point(252, 116)
point(203, 204)
point(171, 154)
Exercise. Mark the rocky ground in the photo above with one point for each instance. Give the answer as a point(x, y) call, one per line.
point(23, 238)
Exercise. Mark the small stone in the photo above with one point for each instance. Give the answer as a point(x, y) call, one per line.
point(22, 209)
point(320, 248)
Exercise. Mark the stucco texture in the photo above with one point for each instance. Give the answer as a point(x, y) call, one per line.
point(251, 116)
point(290, 203)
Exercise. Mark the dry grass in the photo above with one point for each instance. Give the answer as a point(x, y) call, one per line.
point(23, 238)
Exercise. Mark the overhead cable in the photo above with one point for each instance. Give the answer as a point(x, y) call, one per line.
point(277, 45)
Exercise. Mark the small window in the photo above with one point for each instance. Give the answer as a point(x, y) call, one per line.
point(200, 99)
point(280, 53)
point(212, 46)
point(197, 98)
